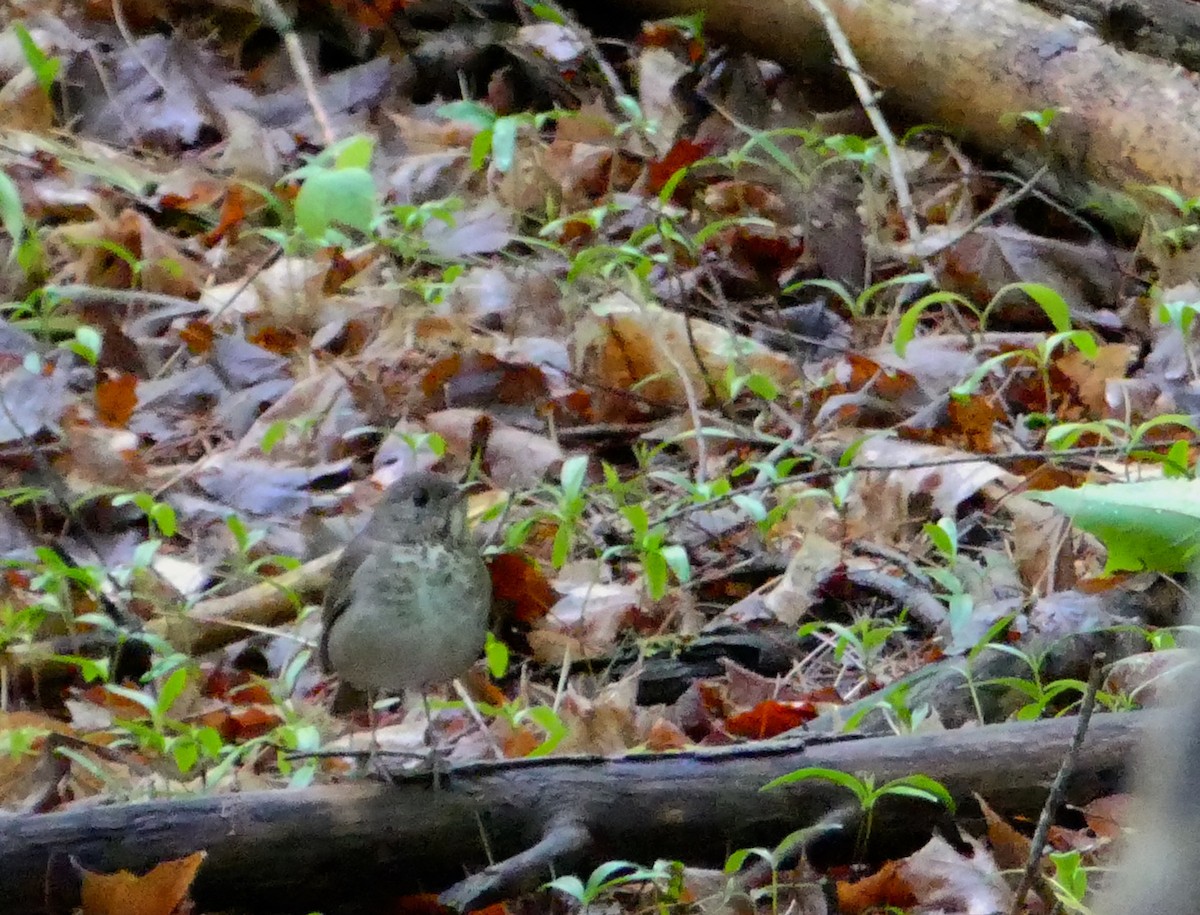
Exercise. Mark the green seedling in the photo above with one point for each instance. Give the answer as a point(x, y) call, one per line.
point(864, 790)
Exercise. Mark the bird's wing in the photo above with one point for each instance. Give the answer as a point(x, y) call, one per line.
point(339, 591)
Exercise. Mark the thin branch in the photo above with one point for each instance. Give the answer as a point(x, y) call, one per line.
point(1058, 790)
point(279, 21)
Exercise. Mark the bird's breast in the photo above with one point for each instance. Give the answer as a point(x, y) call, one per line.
point(417, 614)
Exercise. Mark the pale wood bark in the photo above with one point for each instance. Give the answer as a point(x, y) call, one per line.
point(967, 64)
point(1168, 29)
point(332, 846)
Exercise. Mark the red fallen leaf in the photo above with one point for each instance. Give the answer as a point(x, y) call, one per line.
point(280, 340)
point(519, 587)
point(482, 380)
point(233, 214)
point(887, 887)
point(770, 718)
point(712, 699)
point(498, 908)
point(198, 337)
point(664, 736)
point(253, 722)
point(118, 705)
point(520, 743)
point(253, 693)
point(161, 891)
point(15, 578)
point(116, 399)
point(682, 154)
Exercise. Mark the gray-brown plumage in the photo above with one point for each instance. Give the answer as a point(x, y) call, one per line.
point(407, 603)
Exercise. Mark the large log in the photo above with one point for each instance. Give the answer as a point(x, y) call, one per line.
point(969, 65)
point(331, 846)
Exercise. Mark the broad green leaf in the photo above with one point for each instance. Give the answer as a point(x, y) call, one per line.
point(341, 197)
point(1153, 526)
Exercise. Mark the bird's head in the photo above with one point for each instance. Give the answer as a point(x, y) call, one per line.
point(421, 507)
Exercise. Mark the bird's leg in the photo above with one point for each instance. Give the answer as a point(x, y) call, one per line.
point(431, 741)
point(373, 720)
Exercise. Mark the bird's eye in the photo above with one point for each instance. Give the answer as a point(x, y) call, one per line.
point(421, 498)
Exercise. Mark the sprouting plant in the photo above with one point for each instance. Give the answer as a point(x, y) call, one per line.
point(776, 858)
point(1042, 357)
point(864, 790)
point(497, 136)
point(698, 492)
point(893, 704)
point(664, 876)
point(1132, 438)
point(158, 733)
point(1053, 304)
point(860, 304)
point(861, 643)
point(959, 603)
point(570, 502)
point(653, 552)
point(756, 383)
point(27, 248)
point(1070, 881)
point(45, 68)
point(516, 713)
point(1041, 120)
point(1181, 315)
point(1187, 213)
point(1040, 694)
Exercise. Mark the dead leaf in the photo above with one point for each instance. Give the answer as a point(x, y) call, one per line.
point(161, 891)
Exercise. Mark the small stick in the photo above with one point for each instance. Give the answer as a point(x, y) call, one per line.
point(1058, 790)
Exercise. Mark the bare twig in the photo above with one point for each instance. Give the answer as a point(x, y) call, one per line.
point(279, 21)
point(1058, 789)
point(866, 95)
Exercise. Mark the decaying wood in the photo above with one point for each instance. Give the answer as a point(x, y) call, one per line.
point(1128, 120)
point(323, 847)
point(1169, 29)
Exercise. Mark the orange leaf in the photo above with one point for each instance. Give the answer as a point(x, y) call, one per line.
point(116, 399)
point(770, 719)
point(159, 892)
point(520, 588)
point(198, 336)
point(280, 340)
point(885, 888)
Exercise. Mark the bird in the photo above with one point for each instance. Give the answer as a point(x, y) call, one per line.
point(408, 601)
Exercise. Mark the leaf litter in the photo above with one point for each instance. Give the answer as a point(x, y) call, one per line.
point(635, 322)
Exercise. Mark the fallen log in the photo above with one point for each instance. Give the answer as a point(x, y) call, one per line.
point(1127, 120)
point(332, 846)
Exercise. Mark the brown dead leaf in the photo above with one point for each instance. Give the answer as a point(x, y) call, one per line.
point(1010, 847)
point(116, 399)
point(770, 718)
point(630, 348)
point(809, 566)
point(161, 891)
point(941, 878)
point(198, 337)
point(481, 380)
point(1091, 377)
point(886, 887)
point(1109, 816)
point(519, 588)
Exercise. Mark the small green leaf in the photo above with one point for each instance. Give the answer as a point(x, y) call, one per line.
point(332, 198)
point(573, 475)
point(504, 142)
point(473, 113)
point(45, 69)
point(496, 653)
